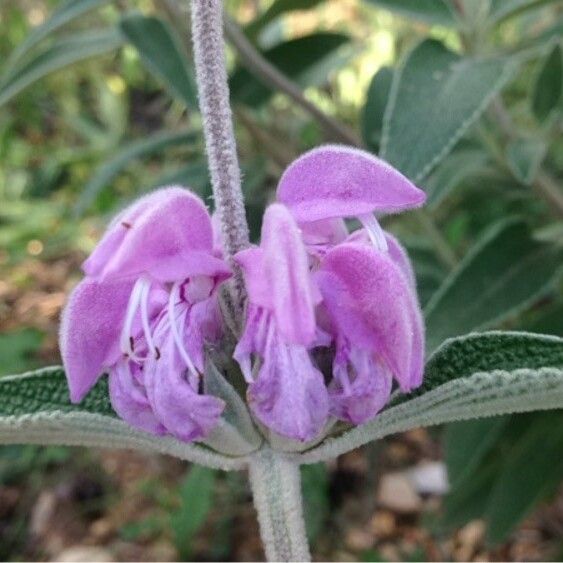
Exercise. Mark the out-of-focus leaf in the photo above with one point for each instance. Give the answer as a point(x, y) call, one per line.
point(306, 60)
point(194, 176)
point(468, 502)
point(196, 498)
point(63, 53)
point(533, 469)
point(552, 232)
point(547, 93)
point(278, 8)
point(452, 171)
point(159, 51)
point(429, 270)
point(435, 97)
point(314, 484)
point(512, 467)
point(68, 11)
point(428, 11)
point(107, 172)
point(524, 157)
point(16, 349)
point(374, 109)
point(468, 442)
point(549, 321)
point(502, 9)
point(500, 276)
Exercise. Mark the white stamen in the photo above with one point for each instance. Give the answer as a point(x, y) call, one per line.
point(126, 337)
point(176, 333)
point(145, 317)
point(375, 232)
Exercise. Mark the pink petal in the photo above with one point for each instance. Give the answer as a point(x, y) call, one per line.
point(338, 181)
point(366, 394)
point(396, 252)
point(156, 236)
point(277, 276)
point(289, 395)
point(90, 329)
point(129, 400)
point(181, 409)
point(373, 305)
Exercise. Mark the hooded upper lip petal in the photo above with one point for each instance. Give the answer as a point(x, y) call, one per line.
point(338, 181)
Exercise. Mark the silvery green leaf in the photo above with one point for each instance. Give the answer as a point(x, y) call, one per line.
point(524, 157)
point(471, 377)
point(504, 272)
point(35, 409)
point(423, 119)
point(236, 434)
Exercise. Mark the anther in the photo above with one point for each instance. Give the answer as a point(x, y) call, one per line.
point(157, 352)
point(126, 224)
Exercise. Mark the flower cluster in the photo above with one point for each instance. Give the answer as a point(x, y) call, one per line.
point(332, 317)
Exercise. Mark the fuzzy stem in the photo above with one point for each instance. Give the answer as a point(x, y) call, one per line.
point(276, 488)
point(213, 90)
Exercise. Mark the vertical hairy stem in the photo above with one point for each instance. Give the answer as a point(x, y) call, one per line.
point(211, 74)
point(276, 488)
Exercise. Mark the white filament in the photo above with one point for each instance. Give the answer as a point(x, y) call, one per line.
point(375, 232)
point(125, 340)
point(176, 333)
point(145, 317)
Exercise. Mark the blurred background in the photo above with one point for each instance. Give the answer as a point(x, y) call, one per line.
point(98, 105)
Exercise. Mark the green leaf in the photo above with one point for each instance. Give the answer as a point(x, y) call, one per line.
point(485, 352)
point(455, 169)
point(466, 443)
point(316, 506)
point(533, 469)
point(196, 498)
point(503, 9)
point(278, 8)
point(61, 54)
point(17, 348)
point(546, 96)
point(35, 408)
point(161, 54)
point(137, 149)
point(374, 109)
point(469, 502)
point(524, 157)
point(306, 60)
point(47, 390)
point(471, 377)
point(548, 322)
point(194, 176)
point(428, 11)
point(436, 95)
point(236, 433)
point(499, 277)
point(68, 11)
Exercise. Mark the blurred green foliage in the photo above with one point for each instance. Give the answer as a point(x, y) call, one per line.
point(98, 105)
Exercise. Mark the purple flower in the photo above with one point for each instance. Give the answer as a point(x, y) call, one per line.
point(332, 318)
point(359, 288)
point(143, 313)
point(286, 391)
